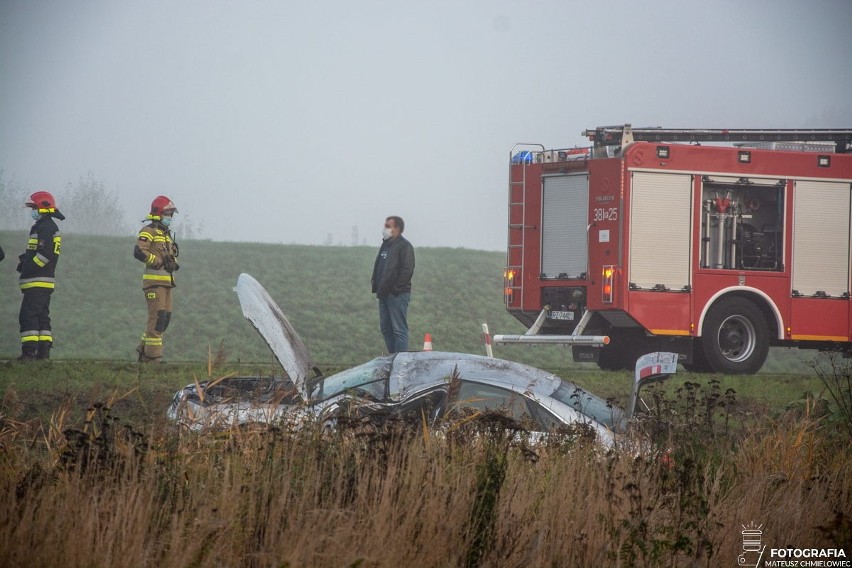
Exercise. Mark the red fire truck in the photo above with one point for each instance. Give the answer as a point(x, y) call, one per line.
point(715, 244)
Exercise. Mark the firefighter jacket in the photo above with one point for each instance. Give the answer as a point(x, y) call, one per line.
point(159, 252)
point(38, 263)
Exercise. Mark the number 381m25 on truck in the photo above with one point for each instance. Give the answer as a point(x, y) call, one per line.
point(714, 244)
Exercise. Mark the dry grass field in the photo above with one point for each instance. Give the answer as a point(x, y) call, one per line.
point(97, 492)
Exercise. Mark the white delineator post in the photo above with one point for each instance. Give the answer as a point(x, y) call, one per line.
point(488, 350)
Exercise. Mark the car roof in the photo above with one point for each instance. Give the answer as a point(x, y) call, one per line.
point(412, 370)
point(417, 371)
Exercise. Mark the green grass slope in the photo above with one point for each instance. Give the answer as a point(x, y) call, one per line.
point(98, 309)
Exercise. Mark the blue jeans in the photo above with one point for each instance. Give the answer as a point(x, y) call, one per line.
point(393, 321)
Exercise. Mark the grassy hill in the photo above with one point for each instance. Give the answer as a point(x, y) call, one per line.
point(98, 309)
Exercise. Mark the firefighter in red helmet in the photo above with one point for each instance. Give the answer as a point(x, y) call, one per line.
point(38, 271)
point(156, 248)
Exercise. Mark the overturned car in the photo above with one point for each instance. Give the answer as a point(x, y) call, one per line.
point(417, 387)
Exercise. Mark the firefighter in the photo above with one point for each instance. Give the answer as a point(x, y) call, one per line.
point(38, 269)
point(156, 248)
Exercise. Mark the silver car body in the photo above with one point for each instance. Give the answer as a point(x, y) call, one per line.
point(390, 383)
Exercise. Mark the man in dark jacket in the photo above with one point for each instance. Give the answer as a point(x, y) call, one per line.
point(391, 281)
point(38, 270)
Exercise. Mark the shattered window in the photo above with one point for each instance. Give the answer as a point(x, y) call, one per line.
point(425, 406)
point(369, 379)
point(487, 397)
point(596, 408)
point(543, 416)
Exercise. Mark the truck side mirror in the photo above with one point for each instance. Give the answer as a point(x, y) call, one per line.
point(650, 368)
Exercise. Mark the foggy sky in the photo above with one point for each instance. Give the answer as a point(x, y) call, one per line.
point(287, 121)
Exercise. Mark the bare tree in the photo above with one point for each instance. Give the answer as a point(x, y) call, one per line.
point(90, 208)
point(186, 228)
point(13, 215)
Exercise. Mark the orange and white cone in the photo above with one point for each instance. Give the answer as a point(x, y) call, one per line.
point(427, 342)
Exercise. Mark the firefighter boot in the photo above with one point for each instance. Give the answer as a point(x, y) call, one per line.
point(44, 348)
point(143, 358)
point(29, 351)
point(145, 355)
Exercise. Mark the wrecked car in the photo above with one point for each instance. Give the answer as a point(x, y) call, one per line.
point(417, 387)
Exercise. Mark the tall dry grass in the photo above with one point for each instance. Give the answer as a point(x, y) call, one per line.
point(104, 495)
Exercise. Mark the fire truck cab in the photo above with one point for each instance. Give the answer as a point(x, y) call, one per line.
point(714, 244)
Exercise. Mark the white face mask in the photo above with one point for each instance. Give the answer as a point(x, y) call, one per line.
point(386, 234)
point(35, 214)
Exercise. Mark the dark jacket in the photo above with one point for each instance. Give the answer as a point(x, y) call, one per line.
point(38, 263)
point(2, 254)
point(399, 268)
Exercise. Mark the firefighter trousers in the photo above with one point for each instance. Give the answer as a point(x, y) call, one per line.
point(34, 319)
point(159, 299)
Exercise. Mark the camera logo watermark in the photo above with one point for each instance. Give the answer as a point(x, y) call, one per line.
point(753, 548)
point(789, 557)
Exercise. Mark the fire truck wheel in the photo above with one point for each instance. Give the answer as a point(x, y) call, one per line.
point(735, 339)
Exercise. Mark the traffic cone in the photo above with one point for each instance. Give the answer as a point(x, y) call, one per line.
point(427, 342)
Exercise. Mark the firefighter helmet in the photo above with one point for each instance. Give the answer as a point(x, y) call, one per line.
point(43, 201)
point(162, 205)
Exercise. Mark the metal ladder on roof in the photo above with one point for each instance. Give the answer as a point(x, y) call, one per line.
point(624, 134)
point(513, 279)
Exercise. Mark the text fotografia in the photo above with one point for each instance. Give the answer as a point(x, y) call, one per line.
point(807, 557)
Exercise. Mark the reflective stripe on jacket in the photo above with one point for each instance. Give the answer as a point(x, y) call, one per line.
point(155, 247)
point(38, 263)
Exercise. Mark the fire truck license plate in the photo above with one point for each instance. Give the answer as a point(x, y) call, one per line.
point(554, 315)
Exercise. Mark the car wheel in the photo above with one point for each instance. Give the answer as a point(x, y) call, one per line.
point(735, 338)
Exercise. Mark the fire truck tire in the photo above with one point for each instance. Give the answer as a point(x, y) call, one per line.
point(735, 338)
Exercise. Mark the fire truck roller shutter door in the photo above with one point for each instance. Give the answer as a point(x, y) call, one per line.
point(660, 218)
point(564, 219)
point(821, 238)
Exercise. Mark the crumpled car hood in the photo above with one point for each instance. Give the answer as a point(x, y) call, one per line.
point(265, 315)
